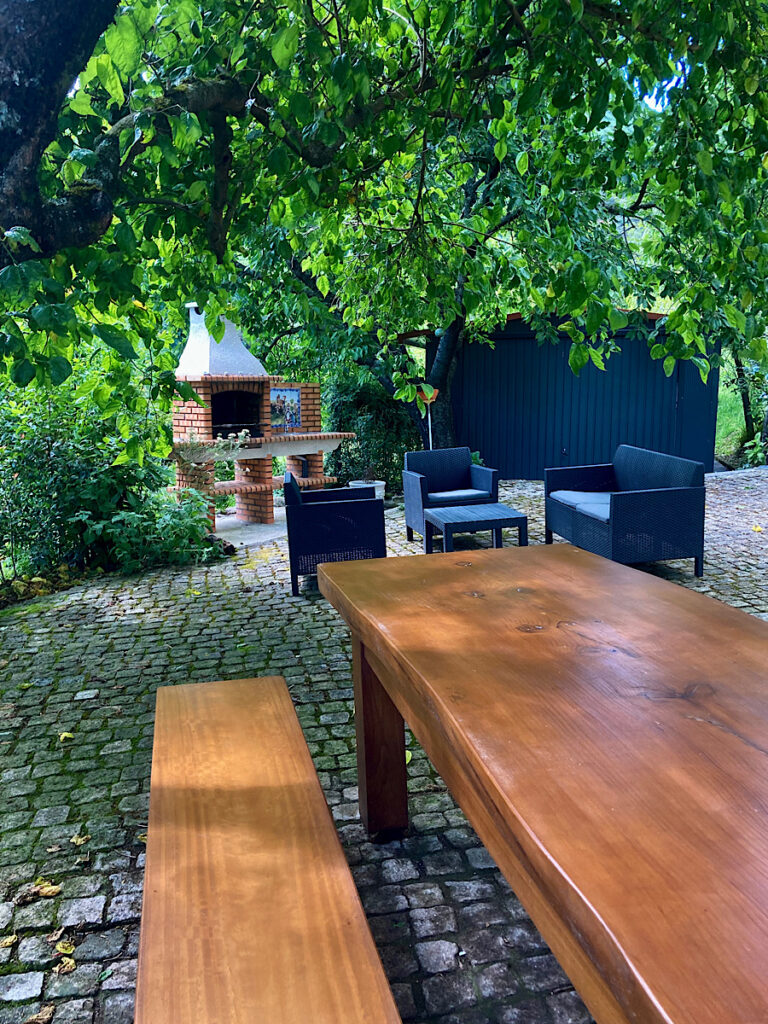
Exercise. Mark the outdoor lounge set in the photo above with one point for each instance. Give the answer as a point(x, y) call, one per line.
point(643, 506)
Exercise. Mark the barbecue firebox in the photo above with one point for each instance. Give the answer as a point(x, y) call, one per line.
point(235, 389)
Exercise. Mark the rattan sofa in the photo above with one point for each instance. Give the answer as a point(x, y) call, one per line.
point(642, 507)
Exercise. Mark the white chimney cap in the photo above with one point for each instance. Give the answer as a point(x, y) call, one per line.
point(203, 356)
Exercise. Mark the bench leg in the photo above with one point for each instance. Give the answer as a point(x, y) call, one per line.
point(380, 732)
point(409, 533)
point(294, 585)
point(497, 539)
point(548, 537)
point(447, 539)
point(522, 536)
point(698, 565)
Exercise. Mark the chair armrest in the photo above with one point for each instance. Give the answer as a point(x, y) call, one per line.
point(414, 487)
point(580, 478)
point(485, 479)
point(313, 497)
point(681, 508)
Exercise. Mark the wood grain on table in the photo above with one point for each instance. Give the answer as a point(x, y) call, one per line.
point(250, 913)
point(606, 733)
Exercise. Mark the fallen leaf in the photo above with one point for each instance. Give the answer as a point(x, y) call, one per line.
point(43, 1016)
point(65, 966)
point(142, 838)
point(79, 840)
point(54, 936)
point(49, 891)
point(53, 849)
point(106, 974)
point(66, 736)
point(65, 947)
point(757, 529)
point(8, 940)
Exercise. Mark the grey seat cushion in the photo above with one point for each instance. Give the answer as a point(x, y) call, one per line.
point(459, 497)
point(596, 509)
point(576, 498)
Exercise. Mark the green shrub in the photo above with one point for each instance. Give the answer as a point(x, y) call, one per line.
point(64, 498)
point(385, 431)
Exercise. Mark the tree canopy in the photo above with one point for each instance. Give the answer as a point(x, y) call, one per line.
point(350, 171)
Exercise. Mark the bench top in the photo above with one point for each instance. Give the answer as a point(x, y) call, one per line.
point(606, 732)
point(490, 515)
point(250, 911)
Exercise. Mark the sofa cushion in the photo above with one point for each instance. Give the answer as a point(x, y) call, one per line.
point(597, 509)
point(576, 498)
point(459, 497)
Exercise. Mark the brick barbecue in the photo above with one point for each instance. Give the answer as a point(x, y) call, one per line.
point(235, 390)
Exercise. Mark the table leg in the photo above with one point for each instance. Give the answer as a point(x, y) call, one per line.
point(447, 538)
point(522, 535)
point(497, 540)
point(380, 731)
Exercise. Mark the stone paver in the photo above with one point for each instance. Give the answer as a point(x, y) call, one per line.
point(457, 945)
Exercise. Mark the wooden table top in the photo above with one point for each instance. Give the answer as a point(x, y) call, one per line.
point(618, 724)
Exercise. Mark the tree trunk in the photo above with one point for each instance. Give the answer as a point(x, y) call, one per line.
point(742, 383)
point(440, 376)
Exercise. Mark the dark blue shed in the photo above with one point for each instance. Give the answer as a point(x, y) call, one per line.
point(520, 405)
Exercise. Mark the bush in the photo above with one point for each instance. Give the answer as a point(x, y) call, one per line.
point(385, 432)
point(64, 499)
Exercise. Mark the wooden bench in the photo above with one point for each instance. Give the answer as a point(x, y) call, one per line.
point(250, 912)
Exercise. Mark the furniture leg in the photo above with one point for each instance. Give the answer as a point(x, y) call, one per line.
point(429, 533)
point(294, 585)
point(548, 536)
point(522, 535)
point(409, 533)
point(447, 539)
point(497, 539)
point(698, 565)
point(380, 733)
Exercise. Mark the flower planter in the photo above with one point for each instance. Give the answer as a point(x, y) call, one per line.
point(379, 486)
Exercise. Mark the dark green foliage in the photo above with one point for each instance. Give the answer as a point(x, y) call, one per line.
point(384, 429)
point(63, 499)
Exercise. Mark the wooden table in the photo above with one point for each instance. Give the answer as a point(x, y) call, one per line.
point(606, 733)
point(470, 519)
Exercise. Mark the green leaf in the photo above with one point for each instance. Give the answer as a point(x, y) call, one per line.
point(577, 9)
point(751, 85)
point(109, 78)
point(284, 46)
point(500, 150)
point(123, 44)
point(21, 236)
point(529, 96)
point(521, 161)
point(278, 161)
point(323, 285)
point(81, 103)
point(185, 130)
point(736, 319)
point(669, 365)
point(22, 372)
point(116, 340)
point(578, 357)
point(617, 319)
point(59, 369)
point(704, 160)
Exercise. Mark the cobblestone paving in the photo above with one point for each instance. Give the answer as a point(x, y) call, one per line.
point(78, 673)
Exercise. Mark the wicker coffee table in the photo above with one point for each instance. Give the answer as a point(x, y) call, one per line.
point(471, 519)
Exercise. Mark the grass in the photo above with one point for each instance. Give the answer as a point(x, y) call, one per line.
point(729, 435)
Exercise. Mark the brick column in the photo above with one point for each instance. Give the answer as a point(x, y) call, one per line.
point(255, 506)
point(198, 476)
